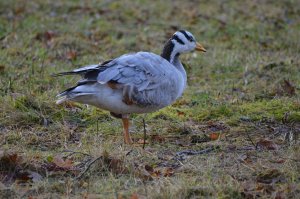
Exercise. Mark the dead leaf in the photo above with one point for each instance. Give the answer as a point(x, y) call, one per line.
point(180, 113)
point(2, 67)
point(45, 36)
point(22, 177)
point(267, 144)
point(60, 162)
point(71, 55)
point(288, 88)
point(19, 9)
point(157, 138)
point(214, 136)
point(120, 196)
point(149, 168)
point(158, 172)
point(25, 176)
point(9, 160)
point(168, 172)
point(153, 172)
point(134, 196)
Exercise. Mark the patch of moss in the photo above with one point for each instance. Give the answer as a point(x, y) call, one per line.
point(275, 108)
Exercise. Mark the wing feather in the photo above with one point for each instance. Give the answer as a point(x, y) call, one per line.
point(107, 75)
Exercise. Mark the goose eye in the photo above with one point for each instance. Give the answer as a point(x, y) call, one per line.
point(191, 39)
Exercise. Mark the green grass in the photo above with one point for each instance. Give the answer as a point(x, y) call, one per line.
point(245, 87)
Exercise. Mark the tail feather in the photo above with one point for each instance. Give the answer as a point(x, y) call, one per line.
point(65, 95)
point(61, 100)
point(64, 73)
point(76, 92)
point(78, 71)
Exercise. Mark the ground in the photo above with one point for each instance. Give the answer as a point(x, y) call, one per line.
point(233, 134)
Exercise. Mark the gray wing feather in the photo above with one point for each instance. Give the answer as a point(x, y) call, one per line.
point(143, 85)
point(128, 71)
point(150, 75)
point(139, 69)
point(125, 80)
point(107, 75)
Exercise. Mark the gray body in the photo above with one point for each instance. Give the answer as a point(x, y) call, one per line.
point(148, 80)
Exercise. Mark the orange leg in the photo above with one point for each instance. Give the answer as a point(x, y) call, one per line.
point(127, 138)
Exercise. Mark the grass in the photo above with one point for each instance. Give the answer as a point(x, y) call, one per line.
point(245, 90)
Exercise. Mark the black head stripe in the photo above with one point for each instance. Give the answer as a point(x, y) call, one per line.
point(178, 40)
point(188, 37)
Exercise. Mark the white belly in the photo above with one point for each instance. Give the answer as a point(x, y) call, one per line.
point(104, 97)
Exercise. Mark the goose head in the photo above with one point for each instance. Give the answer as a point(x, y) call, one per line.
point(181, 41)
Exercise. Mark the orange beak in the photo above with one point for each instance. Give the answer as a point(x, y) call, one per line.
point(199, 47)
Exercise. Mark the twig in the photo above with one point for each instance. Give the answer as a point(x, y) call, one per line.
point(245, 165)
point(194, 152)
point(144, 124)
point(255, 145)
point(181, 154)
point(88, 167)
point(292, 159)
point(74, 152)
point(128, 152)
point(97, 126)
